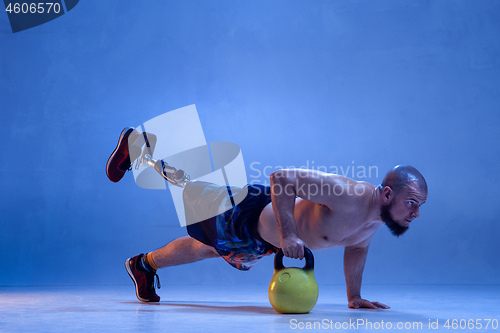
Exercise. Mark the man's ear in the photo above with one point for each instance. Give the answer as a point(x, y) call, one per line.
point(387, 194)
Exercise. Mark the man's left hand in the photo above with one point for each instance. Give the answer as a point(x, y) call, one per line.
point(357, 303)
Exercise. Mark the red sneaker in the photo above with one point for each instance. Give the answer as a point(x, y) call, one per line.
point(121, 159)
point(144, 281)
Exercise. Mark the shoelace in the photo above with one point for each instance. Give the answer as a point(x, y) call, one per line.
point(125, 165)
point(158, 285)
point(158, 281)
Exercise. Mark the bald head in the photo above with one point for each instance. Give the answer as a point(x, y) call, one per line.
point(403, 175)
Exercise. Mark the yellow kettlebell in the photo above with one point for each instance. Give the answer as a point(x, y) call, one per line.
point(293, 289)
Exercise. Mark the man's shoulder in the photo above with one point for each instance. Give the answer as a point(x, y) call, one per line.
point(350, 195)
point(350, 188)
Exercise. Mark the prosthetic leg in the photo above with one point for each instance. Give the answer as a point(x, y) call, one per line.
point(172, 175)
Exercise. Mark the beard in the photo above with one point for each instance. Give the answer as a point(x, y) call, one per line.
point(386, 216)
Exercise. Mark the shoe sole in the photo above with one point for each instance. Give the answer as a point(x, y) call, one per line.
point(122, 135)
point(129, 271)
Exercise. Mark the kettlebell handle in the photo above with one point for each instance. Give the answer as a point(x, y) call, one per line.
point(278, 260)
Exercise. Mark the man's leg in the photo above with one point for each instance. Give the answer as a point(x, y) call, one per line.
point(183, 250)
point(142, 268)
point(129, 148)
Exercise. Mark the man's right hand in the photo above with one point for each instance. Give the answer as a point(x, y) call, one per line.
point(293, 247)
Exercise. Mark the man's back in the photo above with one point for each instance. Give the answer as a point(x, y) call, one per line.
point(344, 218)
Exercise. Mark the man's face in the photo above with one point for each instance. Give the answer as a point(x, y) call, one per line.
point(403, 209)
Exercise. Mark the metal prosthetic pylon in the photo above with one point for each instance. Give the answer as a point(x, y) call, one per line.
point(171, 174)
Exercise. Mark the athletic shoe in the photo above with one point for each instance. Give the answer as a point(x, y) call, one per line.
point(121, 159)
point(144, 281)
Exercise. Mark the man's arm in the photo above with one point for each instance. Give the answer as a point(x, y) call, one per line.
point(283, 192)
point(312, 185)
point(354, 264)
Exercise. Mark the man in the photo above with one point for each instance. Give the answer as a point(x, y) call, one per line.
point(301, 208)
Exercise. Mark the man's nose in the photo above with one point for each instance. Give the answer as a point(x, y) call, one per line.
point(416, 213)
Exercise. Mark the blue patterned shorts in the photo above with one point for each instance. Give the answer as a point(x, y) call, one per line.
point(233, 233)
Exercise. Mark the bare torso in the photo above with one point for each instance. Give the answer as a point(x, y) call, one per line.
point(321, 227)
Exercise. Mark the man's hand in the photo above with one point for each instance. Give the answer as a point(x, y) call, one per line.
point(293, 247)
point(357, 303)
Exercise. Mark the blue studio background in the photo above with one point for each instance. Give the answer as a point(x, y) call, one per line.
point(331, 83)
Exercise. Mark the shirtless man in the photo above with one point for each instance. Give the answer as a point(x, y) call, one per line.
point(301, 208)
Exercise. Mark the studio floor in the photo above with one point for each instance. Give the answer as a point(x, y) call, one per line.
point(210, 308)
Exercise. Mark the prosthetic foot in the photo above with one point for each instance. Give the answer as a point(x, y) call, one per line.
point(171, 174)
point(122, 157)
point(128, 150)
